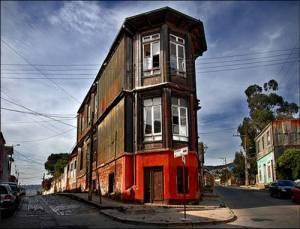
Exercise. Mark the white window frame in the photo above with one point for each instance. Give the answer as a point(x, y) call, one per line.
point(177, 44)
point(180, 137)
point(151, 39)
point(153, 136)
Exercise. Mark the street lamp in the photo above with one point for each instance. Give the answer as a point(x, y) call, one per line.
point(245, 149)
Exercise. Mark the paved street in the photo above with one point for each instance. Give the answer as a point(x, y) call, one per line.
point(257, 209)
point(58, 212)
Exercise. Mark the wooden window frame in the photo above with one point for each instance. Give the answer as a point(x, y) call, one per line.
point(151, 39)
point(153, 136)
point(179, 137)
point(177, 45)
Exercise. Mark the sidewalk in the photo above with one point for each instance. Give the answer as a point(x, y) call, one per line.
point(209, 211)
point(247, 187)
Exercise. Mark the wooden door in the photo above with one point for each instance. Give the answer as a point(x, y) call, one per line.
point(157, 185)
point(153, 184)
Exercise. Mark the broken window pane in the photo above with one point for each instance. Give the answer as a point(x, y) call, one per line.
point(148, 120)
point(175, 120)
point(147, 52)
point(157, 119)
point(183, 124)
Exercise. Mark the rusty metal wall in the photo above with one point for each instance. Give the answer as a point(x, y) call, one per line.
point(111, 81)
point(111, 134)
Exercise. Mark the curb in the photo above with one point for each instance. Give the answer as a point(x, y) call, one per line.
point(74, 197)
point(135, 222)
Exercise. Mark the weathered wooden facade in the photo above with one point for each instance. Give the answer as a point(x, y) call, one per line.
point(272, 141)
point(141, 107)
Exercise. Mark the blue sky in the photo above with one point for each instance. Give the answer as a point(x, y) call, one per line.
point(64, 33)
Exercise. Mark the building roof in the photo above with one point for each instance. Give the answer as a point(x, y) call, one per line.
point(151, 19)
point(278, 121)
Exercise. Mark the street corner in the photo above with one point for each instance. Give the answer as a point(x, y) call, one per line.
point(160, 216)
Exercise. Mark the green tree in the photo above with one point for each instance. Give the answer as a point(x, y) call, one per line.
point(239, 166)
point(288, 164)
point(55, 164)
point(264, 106)
point(225, 175)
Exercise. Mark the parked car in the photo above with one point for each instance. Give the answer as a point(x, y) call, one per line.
point(281, 188)
point(15, 190)
point(295, 192)
point(22, 191)
point(7, 199)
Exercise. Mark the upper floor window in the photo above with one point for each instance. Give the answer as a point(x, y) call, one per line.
point(152, 119)
point(263, 142)
point(177, 54)
point(268, 138)
point(82, 122)
point(180, 119)
point(151, 53)
point(95, 104)
point(89, 115)
point(258, 148)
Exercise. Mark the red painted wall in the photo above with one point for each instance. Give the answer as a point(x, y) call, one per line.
point(135, 192)
point(169, 163)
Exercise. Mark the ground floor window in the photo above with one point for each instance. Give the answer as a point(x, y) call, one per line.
point(180, 187)
point(111, 182)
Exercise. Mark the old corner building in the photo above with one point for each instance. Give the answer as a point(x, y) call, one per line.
point(141, 107)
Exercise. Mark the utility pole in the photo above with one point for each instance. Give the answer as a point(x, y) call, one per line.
point(90, 173)
point(246, 162)
point(224, 158)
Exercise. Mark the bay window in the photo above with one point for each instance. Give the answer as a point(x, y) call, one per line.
point(177, 54)
point(179, 119)
point(151, 53)
point(152, 119)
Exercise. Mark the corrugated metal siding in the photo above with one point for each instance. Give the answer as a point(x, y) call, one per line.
point(111, 134)
point(110, 82)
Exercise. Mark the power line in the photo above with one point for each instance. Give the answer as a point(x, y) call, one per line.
point(43, 139)
point(50, 70)
point(53, 82)
point(250, 67)
point(36, 114)
point(248, 63)
point(249, 54)
point(204, 58)
point(47, 74)
point(79, 65)
point(67, 116)
point(54, 78)
point(28, 158)
point(238, 60)
point(217, 130)
point(205, 67)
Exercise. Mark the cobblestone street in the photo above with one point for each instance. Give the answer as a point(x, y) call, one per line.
point(57, 212)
